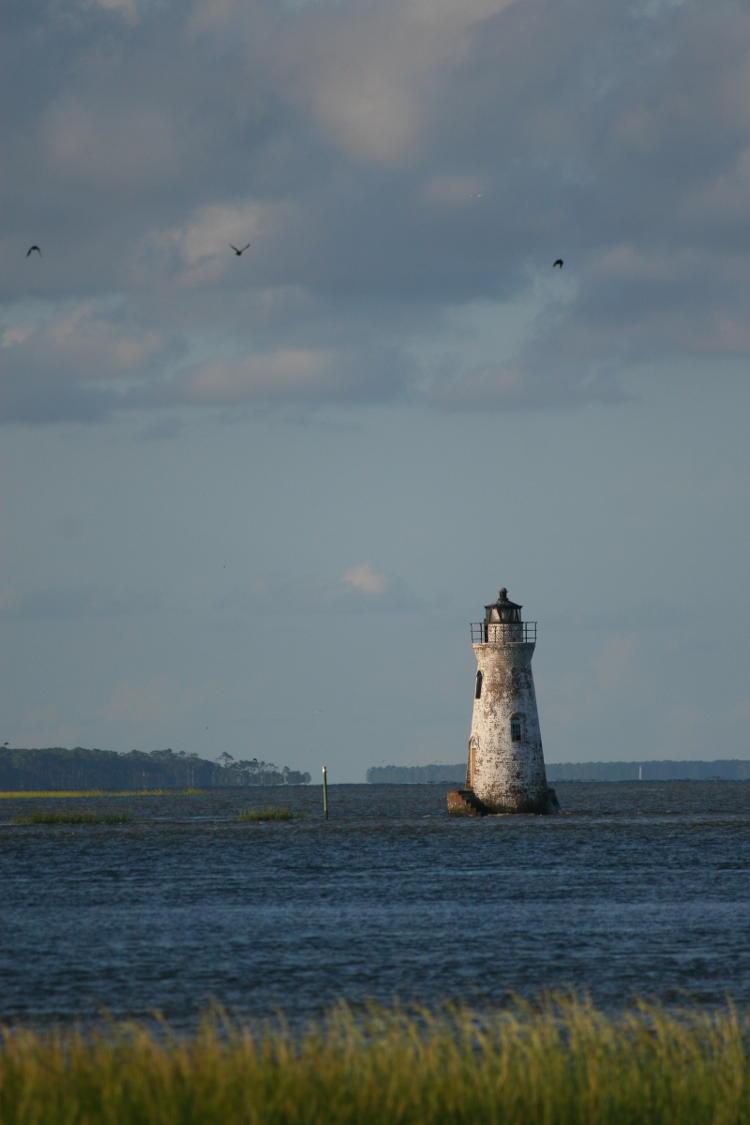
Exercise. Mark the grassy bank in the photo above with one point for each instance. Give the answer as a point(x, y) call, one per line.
point(14, 794)
point(560, 1063)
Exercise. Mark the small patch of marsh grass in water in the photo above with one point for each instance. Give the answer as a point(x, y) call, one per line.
point(560, 1062)
point(73, 816)
point(271, 812)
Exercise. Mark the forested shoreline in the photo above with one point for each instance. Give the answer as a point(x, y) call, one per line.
point(57, 767)
point(726, 769)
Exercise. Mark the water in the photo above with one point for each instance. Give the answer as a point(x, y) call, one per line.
point(636, 889)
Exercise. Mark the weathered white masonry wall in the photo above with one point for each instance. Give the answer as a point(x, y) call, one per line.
point(505, 770)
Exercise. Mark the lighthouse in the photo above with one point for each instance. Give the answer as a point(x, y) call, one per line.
point(505, 771)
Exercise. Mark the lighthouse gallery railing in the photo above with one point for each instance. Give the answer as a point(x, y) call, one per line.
point(502, 632)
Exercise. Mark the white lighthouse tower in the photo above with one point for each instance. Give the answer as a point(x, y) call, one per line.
point(505, 770)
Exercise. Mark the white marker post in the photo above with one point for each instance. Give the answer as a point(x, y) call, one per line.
point(325, 792)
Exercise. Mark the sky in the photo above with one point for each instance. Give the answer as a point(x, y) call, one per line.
point(251, 503)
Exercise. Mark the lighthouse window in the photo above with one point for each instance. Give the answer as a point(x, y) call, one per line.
point(516, 728)
point(478, 686)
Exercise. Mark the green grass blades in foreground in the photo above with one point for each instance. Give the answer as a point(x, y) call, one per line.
point(273, 812)
point(73, 816)
point(557, 1064)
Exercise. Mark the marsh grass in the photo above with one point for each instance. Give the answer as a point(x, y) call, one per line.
point(272, 812)
point(558, 1063)
point(9, 794)
point(73, 816)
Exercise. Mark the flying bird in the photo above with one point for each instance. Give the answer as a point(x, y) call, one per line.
point(237, 251)
point(558, 263)
point(31, 250)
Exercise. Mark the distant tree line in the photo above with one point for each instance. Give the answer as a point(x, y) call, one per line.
point(60, 768)
point(727, 769)
point(417, 775)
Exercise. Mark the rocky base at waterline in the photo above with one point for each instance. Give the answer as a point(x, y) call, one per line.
point(464, 802)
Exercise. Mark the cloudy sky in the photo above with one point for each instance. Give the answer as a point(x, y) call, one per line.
point(251, 503)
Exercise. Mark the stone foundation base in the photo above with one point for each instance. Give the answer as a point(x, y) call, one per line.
point(464, 802)
point(553, 805)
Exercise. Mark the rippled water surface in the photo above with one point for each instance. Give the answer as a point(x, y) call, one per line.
point(635, 888)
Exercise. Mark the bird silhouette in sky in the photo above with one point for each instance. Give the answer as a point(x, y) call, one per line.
point(558, 263)
point(31, 250)
point(237, 251)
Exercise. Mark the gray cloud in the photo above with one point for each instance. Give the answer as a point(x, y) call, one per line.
point(361, 588)
point(391, 164)
point(75, 603)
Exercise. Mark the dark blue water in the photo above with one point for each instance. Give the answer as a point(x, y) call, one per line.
point(636, 889)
